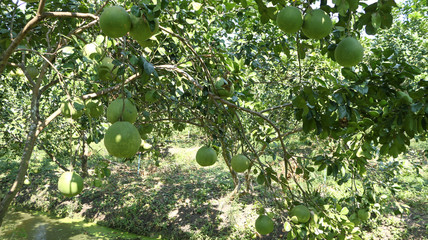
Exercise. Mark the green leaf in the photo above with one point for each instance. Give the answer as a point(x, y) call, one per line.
point(196, 6)
point(343, 7)
point(287, 226)
point(68, 50)
point(415, 107)
point(376, 20)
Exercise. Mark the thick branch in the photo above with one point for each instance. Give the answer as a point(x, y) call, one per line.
point(5, 57)
point(33, 22)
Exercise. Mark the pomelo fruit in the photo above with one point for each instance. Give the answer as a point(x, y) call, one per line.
point(317, 24)
point(206, 156)
point(69, 110)
point(264, 224)
point(70, 184)
point(349, 52)
point(106, 70)
point(301, 212)
point(115, 21)
point(240, 163)
point(32, 71)
point(122, 140)
point(140, 29)
point(363, 214)
point(91, 50)
point(114, 111)
point(223, 88)
point(289, 19)
point(95, 108)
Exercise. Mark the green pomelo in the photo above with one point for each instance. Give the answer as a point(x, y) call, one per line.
point(106, 69)
point(95, 108)
point(115, 110)
point(240, 163)
point(363, 214)
point(69, 110)
point(301, 212)
point(140, 29)
point(70, 184)
point(317, 24)
point(32, 71)
point(115, 21)
point(289, 19)
point(264, 224)
point(91, 50)
point(349, 52)
point(223, 88)
point(122, 140)
point(206, 156)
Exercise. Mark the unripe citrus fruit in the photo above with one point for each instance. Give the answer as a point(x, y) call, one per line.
point(206, 156)
point(317, 24)
point(115, 21)
point(240, 163)
point(289, 19)
point(223, 88)
point(301, 212)
point(122, 140)
point(264, 224)
point(70, 184)
point(106, 70)
point(140, 29)
point(69, 111)
point(349, 52)
point(95, 108)
point(114, 111)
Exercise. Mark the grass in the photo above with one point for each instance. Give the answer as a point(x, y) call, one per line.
point(174, 198)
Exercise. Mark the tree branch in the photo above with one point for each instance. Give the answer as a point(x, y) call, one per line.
point(69, 15)
point(276, 107)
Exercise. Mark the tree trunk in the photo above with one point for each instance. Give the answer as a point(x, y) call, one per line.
point(26, 155)
point(84, 158)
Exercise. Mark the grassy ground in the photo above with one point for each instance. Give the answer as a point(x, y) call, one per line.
point(177, 199)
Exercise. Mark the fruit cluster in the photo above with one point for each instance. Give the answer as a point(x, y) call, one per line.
point(316, 24)
point(116, 22)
